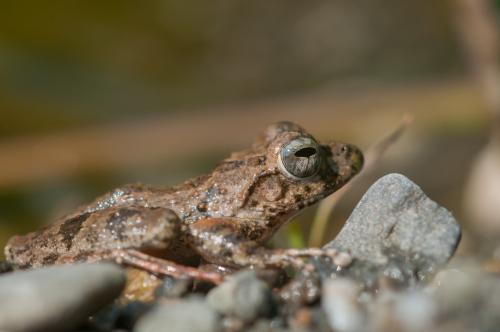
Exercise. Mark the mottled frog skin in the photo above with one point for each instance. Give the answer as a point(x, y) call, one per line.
point(221, 218)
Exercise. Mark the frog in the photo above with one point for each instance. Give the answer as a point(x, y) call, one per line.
point(223, 218)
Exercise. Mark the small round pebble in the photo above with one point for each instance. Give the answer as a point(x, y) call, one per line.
point(56, 298)
point(173, 287)
point(5, 267)
point(190, 315)
point(339, 301)
point(244, 296)
point(342, 259)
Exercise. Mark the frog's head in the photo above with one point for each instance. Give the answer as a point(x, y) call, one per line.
point(287, 170)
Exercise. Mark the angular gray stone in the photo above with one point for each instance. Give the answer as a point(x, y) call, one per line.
point(56, 298)
point(243, 296)
point(191, 315)
point(397, 227)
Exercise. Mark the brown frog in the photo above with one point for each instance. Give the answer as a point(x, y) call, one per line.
point(222, 218)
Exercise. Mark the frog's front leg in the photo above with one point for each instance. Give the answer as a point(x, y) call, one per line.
point(227, 242)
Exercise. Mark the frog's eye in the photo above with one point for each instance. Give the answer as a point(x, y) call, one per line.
point(300, 158)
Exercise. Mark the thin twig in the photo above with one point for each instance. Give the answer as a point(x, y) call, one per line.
point(372, 157)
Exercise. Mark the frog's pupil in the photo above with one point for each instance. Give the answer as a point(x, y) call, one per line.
point(305, 152)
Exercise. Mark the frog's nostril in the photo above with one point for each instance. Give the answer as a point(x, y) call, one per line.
point(305, 152)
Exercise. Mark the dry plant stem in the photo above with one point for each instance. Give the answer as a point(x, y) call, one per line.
point(479, 31)
point(372, 157)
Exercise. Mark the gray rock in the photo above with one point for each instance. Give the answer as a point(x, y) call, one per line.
point(191, 315)
point(5, 267)
point(459, 290)
point(409, 310)
point(469, 294)
point(265, 325)
point(173, 287)
point(56, 298)
point(120, 315)
point(339, 301)
point(398, 231)
point(243, 296)
point(304, 289)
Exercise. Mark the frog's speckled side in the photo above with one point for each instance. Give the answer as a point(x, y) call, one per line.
point(222, 217)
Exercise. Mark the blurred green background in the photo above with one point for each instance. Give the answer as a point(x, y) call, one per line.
point(95, 94)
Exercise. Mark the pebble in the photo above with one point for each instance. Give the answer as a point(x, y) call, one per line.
point(119, 315)
point(398, 230)
point(265, 325)
point(308, 318)
point(5, 267)
point(457, 290)
point(482, 191)
point(339, 302)
point(57, 298)
point(410, 311)
point(415, 310)
point(173, 287)
point(468, 295)
point(230, 324)
point(304, 289)
point(190, 315)
point(244, 296)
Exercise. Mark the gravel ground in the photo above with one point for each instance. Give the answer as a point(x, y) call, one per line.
point(397, 242)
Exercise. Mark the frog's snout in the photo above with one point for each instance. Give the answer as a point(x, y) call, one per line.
point(355, 157)
point(348, 159)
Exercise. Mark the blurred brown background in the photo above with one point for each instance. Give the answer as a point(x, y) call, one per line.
point(94, 94)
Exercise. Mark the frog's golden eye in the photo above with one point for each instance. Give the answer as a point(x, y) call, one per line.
point(300, 158)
